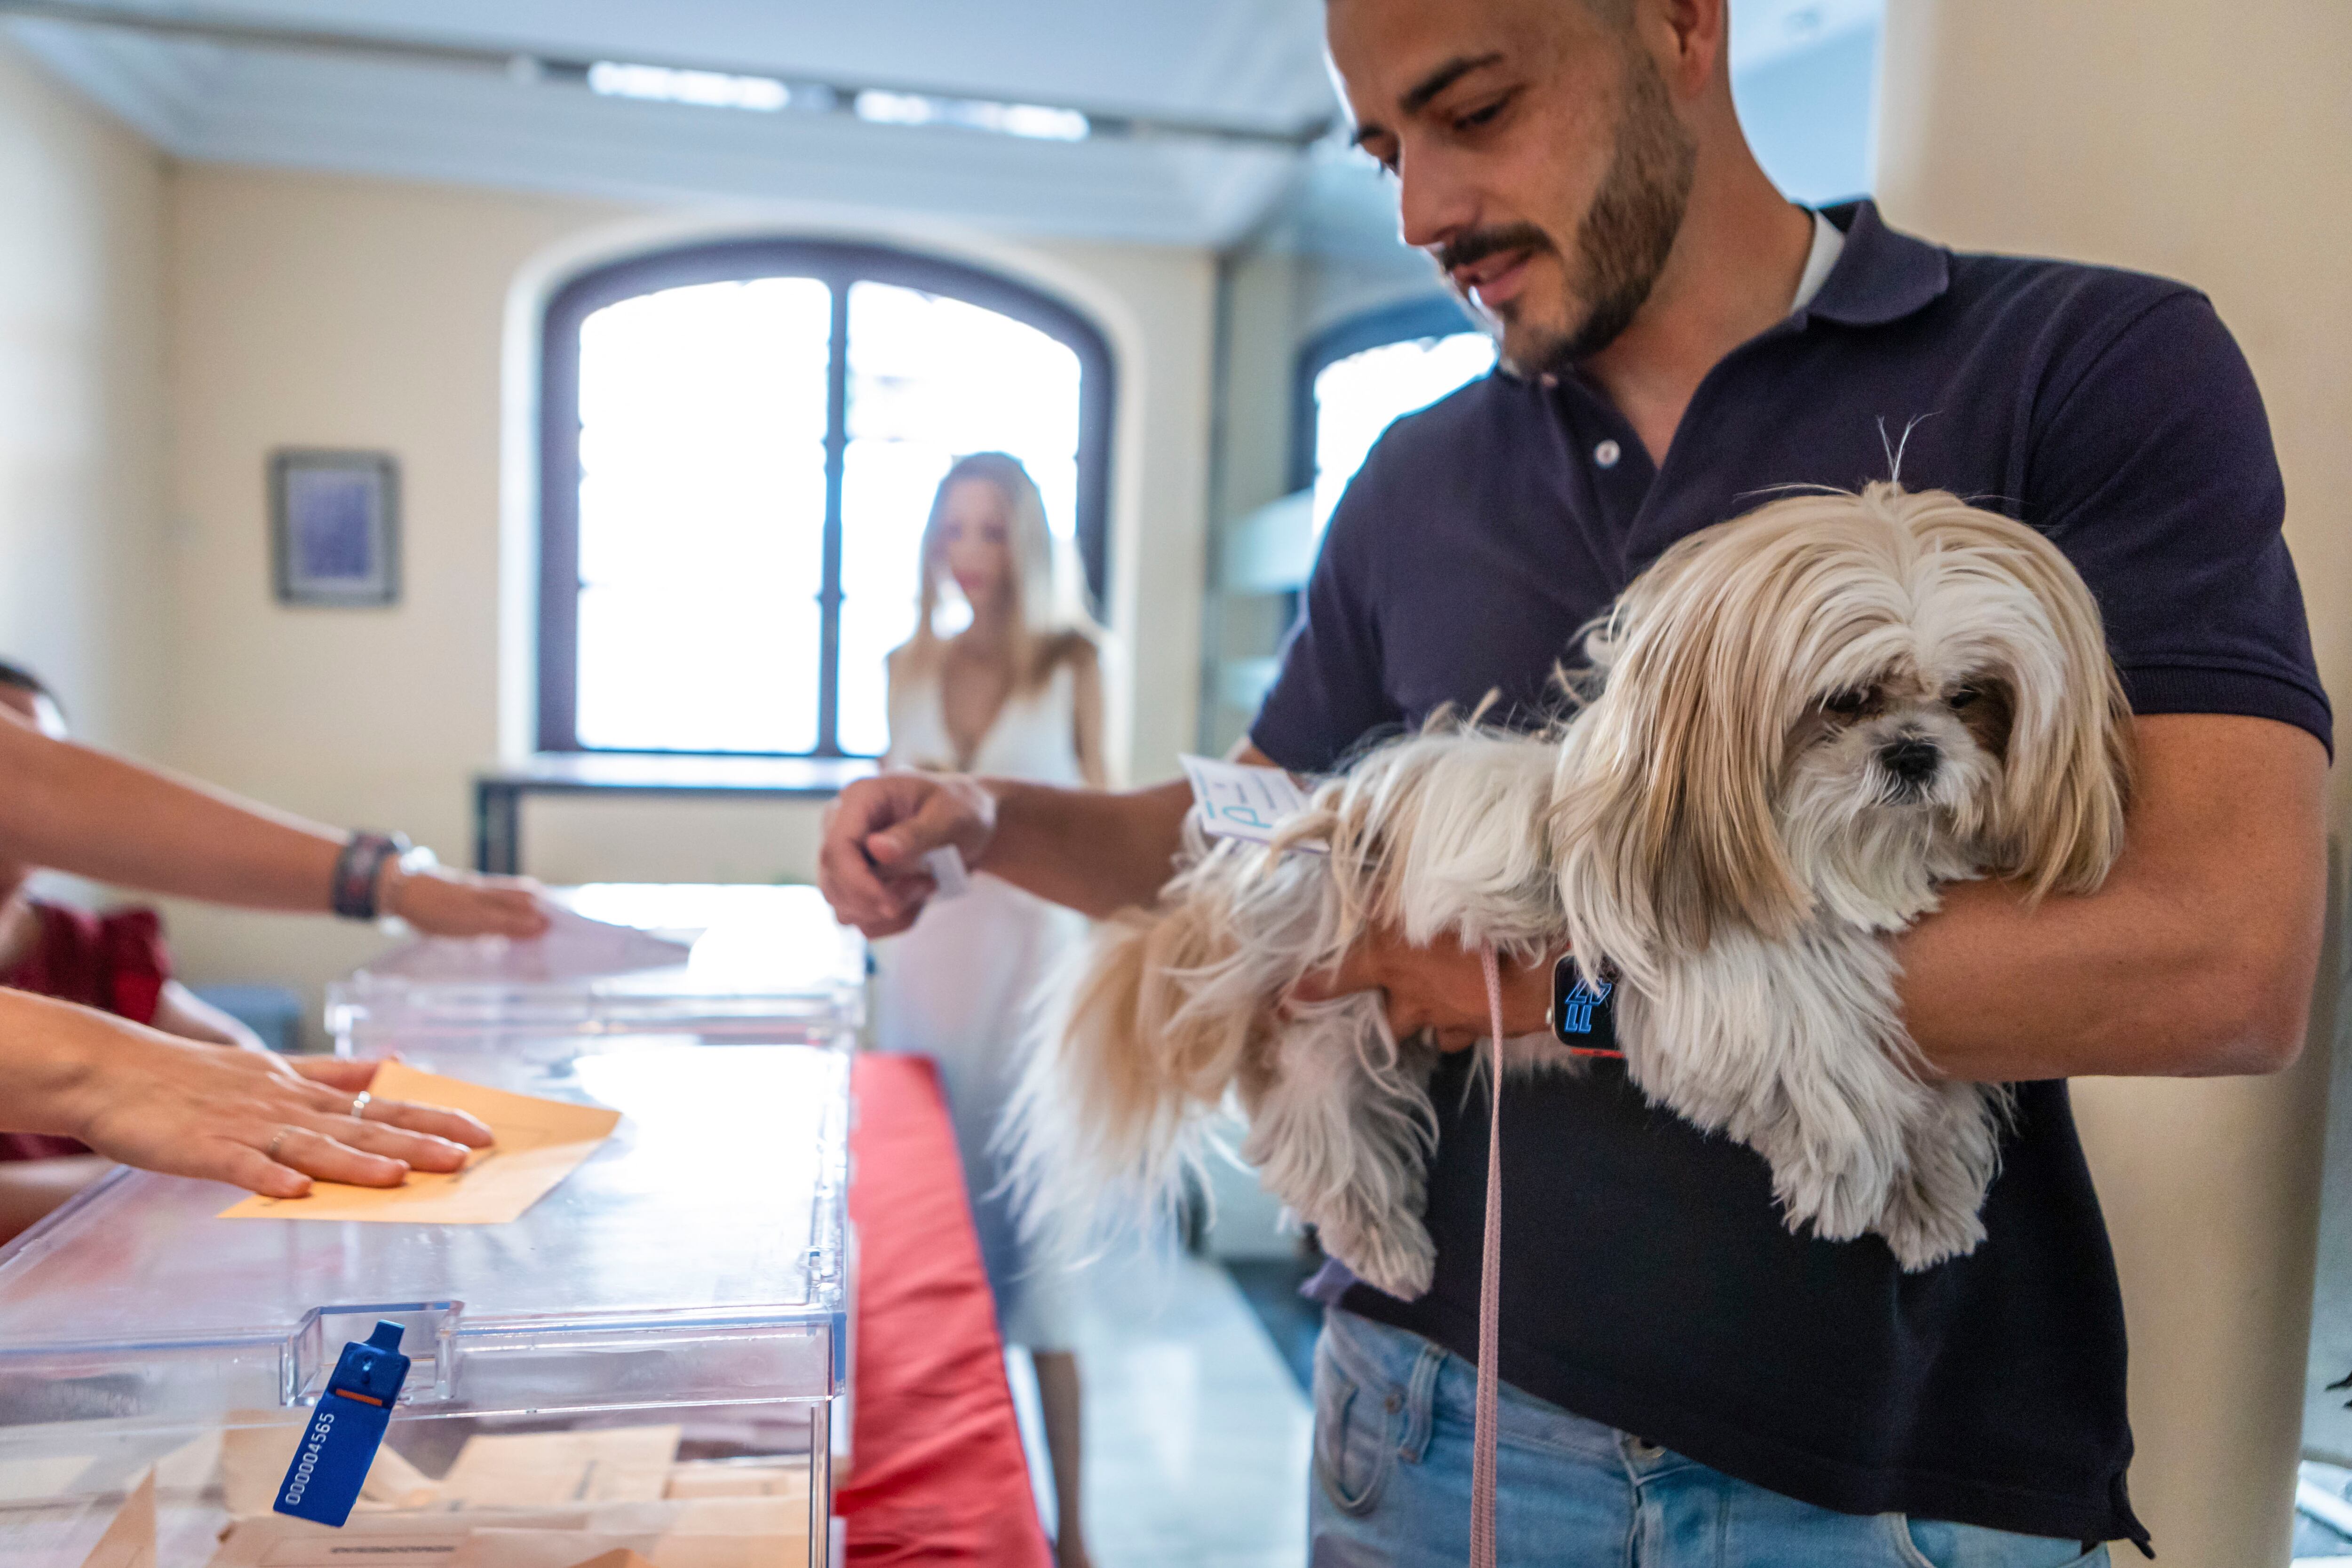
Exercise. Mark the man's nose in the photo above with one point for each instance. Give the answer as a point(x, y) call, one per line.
point(1433, 203)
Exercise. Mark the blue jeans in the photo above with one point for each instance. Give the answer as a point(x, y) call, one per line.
point(1392, 1488)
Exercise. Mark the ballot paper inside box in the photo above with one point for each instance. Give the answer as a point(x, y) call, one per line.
point(663, 1333)
point(710, 962)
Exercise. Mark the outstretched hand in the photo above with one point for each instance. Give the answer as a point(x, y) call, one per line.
point(269, 1124)
point(441, 901)
point(1440, 988)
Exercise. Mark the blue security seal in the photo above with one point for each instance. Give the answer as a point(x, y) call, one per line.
point(331, 1462)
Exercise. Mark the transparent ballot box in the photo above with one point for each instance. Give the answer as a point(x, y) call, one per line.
point(651, 1357)
point(708, 962)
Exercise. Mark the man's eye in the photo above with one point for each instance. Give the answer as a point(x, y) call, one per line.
point(1481, 115)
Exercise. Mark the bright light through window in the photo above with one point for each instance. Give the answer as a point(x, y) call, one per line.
point(704, 416)
point(1357, 397)
point(702, 421)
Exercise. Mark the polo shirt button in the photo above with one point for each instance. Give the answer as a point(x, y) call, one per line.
point(1646, 1451)
point(1607, 453)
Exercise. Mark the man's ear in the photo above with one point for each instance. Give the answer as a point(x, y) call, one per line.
point(1689, 40)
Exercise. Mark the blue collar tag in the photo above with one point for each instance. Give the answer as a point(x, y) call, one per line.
point(331, 1462)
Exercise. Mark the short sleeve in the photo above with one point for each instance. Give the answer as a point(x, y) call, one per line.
point(2154, 472)
point(1330, 692)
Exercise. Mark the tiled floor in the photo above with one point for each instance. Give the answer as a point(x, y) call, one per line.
point(1196, 1435)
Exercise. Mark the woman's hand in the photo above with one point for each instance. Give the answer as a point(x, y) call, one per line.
point(267, 1123)
point(1440, 988)
point(439, 902)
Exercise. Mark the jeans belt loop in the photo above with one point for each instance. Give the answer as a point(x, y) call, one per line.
point(1421, 1404)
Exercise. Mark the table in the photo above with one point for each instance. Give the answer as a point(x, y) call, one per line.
point(937, 1474)
point(499, 797)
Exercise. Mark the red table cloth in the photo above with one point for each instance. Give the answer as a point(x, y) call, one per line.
point(939, 1475)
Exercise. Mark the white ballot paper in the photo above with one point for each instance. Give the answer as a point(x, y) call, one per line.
point(947, 868)
point(575, 948)
point(1235, 800)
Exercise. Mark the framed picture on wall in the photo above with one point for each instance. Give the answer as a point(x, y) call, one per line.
point(334, 527)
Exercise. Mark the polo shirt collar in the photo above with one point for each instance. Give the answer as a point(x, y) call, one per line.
point(1881, 275)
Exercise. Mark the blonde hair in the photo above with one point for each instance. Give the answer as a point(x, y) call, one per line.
point(1049, 616)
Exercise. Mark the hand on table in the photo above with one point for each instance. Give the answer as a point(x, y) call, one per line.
point(870, 867)
point(267, 1123)
point(1440, 988)
point(440, 901)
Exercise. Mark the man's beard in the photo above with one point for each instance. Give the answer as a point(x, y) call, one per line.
point(1624, 238)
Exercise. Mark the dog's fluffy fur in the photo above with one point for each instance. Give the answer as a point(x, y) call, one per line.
point(1796, 726)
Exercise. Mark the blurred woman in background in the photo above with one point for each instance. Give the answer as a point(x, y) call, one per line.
point(1017, 692)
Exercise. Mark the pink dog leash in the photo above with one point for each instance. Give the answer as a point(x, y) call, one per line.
point(1490, 1272)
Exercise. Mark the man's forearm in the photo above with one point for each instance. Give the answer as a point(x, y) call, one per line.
point(2196, 958)
point(2121, 984)
point(1094, 852)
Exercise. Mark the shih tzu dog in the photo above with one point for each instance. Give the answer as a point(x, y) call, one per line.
point(1796, 726)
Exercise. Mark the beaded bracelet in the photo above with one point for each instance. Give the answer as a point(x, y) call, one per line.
point(358, 869)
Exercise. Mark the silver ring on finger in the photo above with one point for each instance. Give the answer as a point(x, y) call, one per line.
point(358, 1112)
point(271, 1152)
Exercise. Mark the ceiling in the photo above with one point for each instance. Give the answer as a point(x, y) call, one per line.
point(1246, 66)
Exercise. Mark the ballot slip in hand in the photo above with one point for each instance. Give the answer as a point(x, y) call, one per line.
point(948, 873)
point(1236, 800)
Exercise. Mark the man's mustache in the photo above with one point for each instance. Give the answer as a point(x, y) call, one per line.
point(1463, 251)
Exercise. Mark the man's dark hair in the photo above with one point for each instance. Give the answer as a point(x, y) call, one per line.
point(18, 678)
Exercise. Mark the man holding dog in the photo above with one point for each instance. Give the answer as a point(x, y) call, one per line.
point(1688, 1380)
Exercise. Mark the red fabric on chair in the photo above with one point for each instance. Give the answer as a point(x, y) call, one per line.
point(116, 963)
point(939, 1475)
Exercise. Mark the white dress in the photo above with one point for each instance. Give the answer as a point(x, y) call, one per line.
point(957, 987)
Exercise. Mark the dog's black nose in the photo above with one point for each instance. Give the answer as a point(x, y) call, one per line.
point(1911, 759)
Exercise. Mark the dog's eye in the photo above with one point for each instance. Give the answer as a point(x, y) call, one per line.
point(1846, 704)
point(1962, 697)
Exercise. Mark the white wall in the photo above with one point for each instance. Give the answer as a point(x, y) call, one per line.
point(83, 555)
point(312, 310)
point(2211, 144)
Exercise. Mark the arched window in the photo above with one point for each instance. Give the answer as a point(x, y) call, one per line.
point(1357, 378)
point(739, 446)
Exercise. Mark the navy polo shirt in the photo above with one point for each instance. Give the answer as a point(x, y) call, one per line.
point(1647, 1280)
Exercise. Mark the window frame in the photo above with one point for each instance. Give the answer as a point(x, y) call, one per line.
point(838, 264)
point(1430, 316)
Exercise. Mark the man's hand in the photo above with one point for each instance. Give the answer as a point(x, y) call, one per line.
point(440, 901)
point(870, 867)
point(1441, 988)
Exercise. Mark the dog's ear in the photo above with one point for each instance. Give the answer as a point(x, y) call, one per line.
point(1663, 817)
point(2067, 770)
point(1103, 1114)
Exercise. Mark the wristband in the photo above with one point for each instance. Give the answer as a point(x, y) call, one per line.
point(359, 867)
point(1581, 1015)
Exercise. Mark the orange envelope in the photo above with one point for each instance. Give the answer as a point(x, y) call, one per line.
point(540, 1141)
